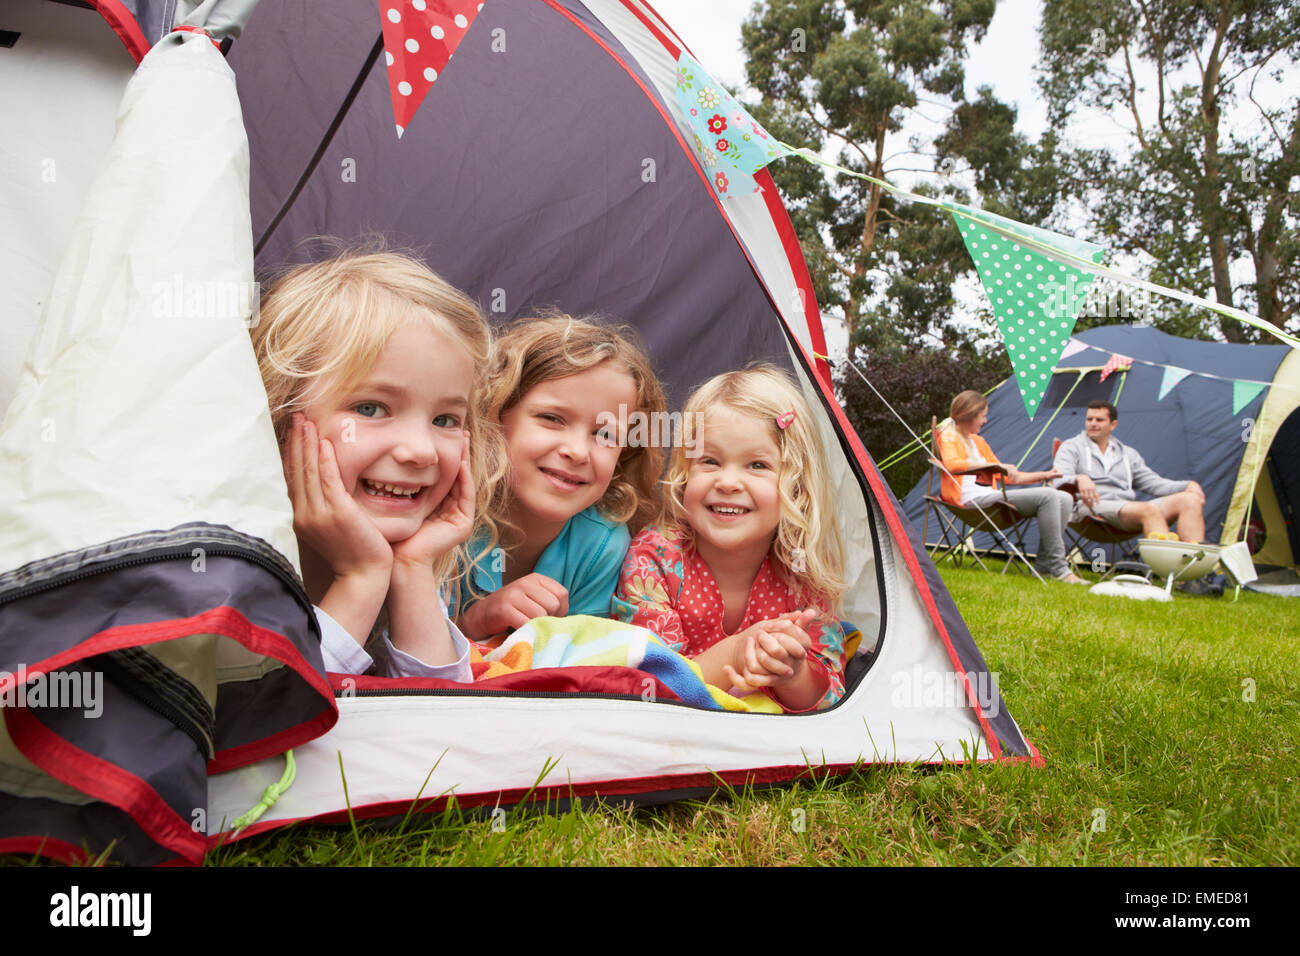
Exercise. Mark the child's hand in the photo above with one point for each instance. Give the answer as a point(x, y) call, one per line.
point(801, 619)
point(769, 653)
point(325, 516)
point(514, 605)
point(449, 525)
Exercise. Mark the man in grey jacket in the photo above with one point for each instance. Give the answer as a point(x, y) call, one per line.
point(1109, 473)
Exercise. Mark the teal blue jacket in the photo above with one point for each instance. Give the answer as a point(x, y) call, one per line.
point(585, 557)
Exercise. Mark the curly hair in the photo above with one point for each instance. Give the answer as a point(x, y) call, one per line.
point(543, 348)
point(808, 549)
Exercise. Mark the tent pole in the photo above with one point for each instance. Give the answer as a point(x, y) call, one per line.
point(911, 447)
point(1254, 474)
point(1123, 377)
point(1077, 379)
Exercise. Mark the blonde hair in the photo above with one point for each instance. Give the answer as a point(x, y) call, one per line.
point(543, 348)
point(967, 406)
point(807, 532)
point(322, 328)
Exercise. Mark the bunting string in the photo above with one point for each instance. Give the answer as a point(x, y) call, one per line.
point(733, 146)
point(1188, 371)
point(1024, 236)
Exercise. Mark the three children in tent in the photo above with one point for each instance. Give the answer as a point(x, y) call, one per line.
point(423, 459)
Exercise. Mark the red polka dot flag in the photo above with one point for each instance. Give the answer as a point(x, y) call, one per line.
point(420, 36)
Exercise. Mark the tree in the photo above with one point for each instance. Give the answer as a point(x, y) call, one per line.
point(1191, 196)
point(848, 73)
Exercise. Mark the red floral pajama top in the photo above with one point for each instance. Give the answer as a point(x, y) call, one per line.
point(667, 588)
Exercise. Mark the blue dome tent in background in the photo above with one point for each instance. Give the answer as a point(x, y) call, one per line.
point(1193, 409)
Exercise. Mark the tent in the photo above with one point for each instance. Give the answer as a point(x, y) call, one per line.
point(152, 626)
point(1192, 409)
point(548, 166)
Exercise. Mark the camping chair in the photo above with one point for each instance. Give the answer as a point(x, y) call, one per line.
point(959, 525)
point(1096, 530)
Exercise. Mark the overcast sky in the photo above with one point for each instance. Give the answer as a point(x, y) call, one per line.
point(711, 28)
point(1005, 60)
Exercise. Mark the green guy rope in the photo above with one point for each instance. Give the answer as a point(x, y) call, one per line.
point(270, 795)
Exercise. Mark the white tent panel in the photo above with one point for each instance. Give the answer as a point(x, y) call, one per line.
point(96, 428)
point(51, 150)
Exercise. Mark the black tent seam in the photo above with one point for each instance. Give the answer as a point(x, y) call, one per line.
point(324, 143)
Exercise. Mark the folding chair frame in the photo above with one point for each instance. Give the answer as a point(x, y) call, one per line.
point(1095, 530)
point(958, 526)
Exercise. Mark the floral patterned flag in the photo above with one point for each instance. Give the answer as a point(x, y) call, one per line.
point(731, 145)
point(419, 38)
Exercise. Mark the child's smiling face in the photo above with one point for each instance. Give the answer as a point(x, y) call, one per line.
point(732, 492)
point(562, 457)
point(398, 434)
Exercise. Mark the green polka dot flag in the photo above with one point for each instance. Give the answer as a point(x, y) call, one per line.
point(1035, 300)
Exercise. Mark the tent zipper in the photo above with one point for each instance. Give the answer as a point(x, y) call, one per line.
point(184, 553)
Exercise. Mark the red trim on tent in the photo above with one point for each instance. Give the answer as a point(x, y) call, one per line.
point(201, 32)
point(124, 25)
point(104, 781)
point(658, 34)
point(60, 850)
point(663, 24)
point(672, 126)
point(1035, 758)
point(222, 620)
point(225, 622)
point(775, 207)
point(654, 101)
point(769, 189)
point(560, 680)
point(799, 267)
point(278, 743)
point(864, 460)
point(625, 787)
point(909, 557)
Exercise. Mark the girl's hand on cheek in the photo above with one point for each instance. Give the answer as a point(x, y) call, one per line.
point(514, 605)
point(450, 524)
point(325, 516)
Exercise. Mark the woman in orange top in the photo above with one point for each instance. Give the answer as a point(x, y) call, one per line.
point(962, 448)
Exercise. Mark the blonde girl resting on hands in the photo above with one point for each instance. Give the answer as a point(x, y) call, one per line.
point(371, 363)
point(745, 572)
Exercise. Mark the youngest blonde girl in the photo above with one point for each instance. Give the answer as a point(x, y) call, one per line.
point(745, 571)
point(372, 366)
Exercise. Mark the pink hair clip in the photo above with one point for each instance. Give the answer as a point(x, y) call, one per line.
point(784, 420)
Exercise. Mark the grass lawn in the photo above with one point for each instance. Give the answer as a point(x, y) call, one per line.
point(1169, 732)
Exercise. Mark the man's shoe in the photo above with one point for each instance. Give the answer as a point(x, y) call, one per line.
point(1069, 577)
point(1211, 584)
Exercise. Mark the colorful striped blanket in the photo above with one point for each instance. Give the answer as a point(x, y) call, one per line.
point(580, 640)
